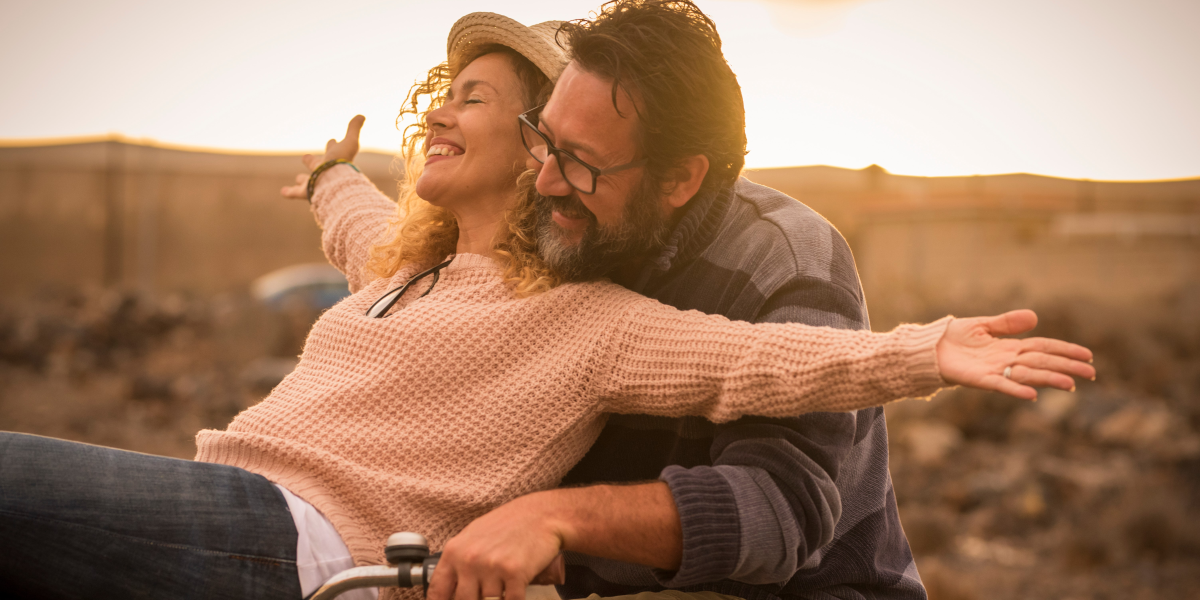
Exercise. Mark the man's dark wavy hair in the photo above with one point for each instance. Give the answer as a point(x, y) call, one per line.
point(667, 56)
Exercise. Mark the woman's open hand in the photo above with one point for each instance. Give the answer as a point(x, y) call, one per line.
point(970, 353)
point(346, 149)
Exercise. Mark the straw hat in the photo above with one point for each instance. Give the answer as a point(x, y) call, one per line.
point(535, 43)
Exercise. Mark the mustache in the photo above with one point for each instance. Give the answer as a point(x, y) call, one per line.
point(570, 206)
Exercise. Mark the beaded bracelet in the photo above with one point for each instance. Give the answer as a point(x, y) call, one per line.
point(312, 179)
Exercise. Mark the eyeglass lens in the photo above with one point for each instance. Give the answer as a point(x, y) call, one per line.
point(572, 170)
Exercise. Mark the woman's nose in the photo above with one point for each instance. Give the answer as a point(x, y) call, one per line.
point(550, 181)
point(439, 117)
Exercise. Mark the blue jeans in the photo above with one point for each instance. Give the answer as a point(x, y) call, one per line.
point(82, 521)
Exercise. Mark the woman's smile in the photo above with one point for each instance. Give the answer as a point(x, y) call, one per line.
point(442, 149)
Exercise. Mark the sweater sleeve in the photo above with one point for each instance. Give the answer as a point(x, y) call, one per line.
point(353, 215)
point(670, 363)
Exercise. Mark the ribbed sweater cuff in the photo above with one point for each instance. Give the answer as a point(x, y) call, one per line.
point(918, 348)
point(332, 180)
point(709, 518)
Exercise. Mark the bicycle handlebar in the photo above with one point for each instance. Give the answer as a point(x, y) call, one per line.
point(409, 566)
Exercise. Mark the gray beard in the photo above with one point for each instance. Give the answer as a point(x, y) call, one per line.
point(600, 249)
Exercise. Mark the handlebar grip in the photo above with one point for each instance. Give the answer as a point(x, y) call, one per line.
point(418, 574)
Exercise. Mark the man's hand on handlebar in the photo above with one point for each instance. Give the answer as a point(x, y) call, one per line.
point(499, 554)
point(346, 149)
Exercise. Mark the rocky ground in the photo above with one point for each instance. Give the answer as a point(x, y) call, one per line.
point(1087, 495)
point(1092, 495)
point(112, 369)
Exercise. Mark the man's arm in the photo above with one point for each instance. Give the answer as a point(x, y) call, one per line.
point(498, 553)
point(768, 502)
point(633, 523)
point(770, 499)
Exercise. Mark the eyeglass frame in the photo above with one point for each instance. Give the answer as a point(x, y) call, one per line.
point(552, 150)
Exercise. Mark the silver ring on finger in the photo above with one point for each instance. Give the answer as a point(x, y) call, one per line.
point(1008, 372)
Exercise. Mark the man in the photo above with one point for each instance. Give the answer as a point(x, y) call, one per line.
point(639, 152)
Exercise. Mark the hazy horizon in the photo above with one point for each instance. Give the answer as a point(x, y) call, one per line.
point(1067, 88)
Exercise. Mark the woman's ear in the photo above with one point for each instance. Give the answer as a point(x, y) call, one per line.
point(689, 175)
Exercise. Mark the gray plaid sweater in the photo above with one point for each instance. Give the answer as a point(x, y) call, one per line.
point(770, 508)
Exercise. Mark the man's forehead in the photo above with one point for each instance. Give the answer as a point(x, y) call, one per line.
point(581, 111)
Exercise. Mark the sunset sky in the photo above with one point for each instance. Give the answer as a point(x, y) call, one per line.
point(1100, 89)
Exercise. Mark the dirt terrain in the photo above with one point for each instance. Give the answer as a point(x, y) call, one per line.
point(1092, 495)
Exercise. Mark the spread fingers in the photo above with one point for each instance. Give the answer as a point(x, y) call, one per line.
point(1041, 378)
point(1053, 362)
point(1058, 347)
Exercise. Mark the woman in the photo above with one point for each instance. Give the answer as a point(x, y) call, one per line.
point(443, 388)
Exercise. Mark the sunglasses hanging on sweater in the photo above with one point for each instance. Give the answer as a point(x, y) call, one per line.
point(388, 300)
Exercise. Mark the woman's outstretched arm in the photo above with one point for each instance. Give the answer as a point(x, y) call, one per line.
point(666, 362)
point(352, 213)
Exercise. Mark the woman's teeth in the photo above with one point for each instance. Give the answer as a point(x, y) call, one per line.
point(442, 150)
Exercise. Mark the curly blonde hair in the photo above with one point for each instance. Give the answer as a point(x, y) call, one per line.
point(425, 234)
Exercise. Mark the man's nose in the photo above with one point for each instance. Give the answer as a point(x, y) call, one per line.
point(550, 181)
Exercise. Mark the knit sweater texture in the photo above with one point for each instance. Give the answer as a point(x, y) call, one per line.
point(468, 397)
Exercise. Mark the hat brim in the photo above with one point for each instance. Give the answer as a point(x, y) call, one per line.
point(537, 42)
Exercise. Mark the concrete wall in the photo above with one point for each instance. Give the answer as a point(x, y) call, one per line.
point(151, 218)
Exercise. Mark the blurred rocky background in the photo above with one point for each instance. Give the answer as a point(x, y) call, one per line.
point(134, 312)
point(1092, 494)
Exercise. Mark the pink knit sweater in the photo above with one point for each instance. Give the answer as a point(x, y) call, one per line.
point(469, 397)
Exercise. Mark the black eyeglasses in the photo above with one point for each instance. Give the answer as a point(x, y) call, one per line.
point(579, 174)
point(388, 300)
